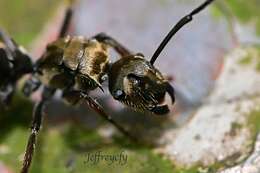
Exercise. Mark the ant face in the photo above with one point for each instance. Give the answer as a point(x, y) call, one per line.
point(136, 83)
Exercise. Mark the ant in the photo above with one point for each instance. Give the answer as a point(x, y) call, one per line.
point(14, 63)
point(76, 65)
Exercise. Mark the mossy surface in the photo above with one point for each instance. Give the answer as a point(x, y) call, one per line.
point(23, 20)
point(254, 120)
point(246, 60)
point(252, 57)
point(246, 12)
point(64, 148)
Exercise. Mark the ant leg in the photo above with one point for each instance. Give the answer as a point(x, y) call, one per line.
point(36, 123)
point(6, 95)
point(74, 97)
point(104, 38)
point(67, 20)
point(35, 127)
point(30, 86)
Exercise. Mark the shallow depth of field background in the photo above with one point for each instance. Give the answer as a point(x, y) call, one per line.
point(193, 59)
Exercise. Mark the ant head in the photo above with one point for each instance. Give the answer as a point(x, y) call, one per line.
point(136, 83)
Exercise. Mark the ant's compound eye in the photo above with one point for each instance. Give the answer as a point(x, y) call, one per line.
point(119, 94)
point(140, 54)
point(104, 78)
point(134, 79)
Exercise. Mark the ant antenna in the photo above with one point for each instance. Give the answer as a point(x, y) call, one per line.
point(186, 19)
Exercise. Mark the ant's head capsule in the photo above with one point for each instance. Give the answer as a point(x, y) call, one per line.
point(136, 83)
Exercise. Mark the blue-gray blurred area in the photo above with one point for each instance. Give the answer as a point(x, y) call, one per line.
point(192, 59)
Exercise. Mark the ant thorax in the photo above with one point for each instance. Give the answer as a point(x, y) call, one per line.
point(74, 62)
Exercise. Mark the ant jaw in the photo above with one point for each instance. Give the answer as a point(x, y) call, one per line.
point(163, 108)
point(144, 104)
point(160, 110)
point(170, 91)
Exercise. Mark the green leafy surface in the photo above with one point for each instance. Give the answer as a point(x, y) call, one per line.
point(24, 19)
point(246, 12)
point(64, 148)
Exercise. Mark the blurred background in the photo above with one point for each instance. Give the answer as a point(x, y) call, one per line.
point(193, 59)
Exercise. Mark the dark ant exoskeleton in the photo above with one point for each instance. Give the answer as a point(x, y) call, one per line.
point(14, 63)
point(76, 65)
